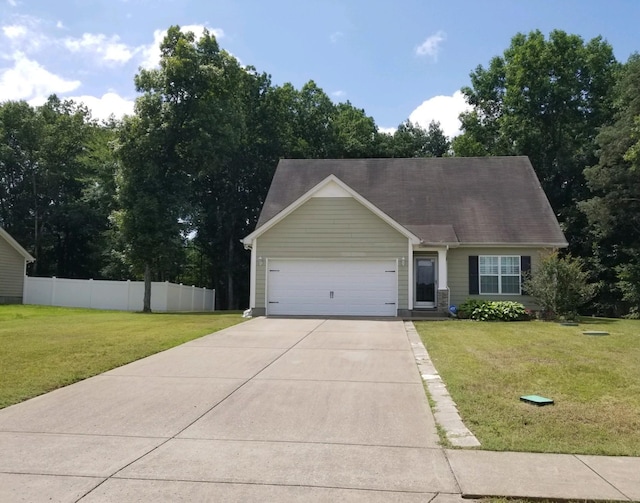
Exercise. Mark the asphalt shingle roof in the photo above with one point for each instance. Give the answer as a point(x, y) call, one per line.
point(488, 200)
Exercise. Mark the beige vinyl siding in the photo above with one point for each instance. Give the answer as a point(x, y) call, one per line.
point(458, 264)
point(336, 228)
point(11, 270)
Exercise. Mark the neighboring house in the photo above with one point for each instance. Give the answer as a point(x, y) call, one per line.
point(392, 237)
point(13, 269)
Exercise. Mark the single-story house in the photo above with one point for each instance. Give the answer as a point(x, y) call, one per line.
point(395, 237)
point(13, 269)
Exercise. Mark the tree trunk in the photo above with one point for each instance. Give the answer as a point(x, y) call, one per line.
point(146, 303)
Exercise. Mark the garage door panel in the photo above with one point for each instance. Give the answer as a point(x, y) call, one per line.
point(343, 288)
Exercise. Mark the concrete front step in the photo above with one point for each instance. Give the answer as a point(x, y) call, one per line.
point(427, 314)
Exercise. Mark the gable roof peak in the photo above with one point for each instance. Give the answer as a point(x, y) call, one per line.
point(483, 199)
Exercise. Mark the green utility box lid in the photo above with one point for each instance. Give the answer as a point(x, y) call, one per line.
point(536, 400)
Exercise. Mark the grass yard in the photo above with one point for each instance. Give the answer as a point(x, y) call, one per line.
point(44, 348)
point(594, 380)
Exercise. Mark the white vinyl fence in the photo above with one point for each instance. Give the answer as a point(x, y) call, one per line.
point(120, 295)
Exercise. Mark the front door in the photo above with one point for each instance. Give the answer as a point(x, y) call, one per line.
point(425, 275)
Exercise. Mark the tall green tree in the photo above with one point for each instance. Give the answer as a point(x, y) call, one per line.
point(155, 160)
point(614, 210)
point(544, 98)
point(412, 140)
point(355, 132)
point(199, 156)
point(52, 167)
point(229, 190)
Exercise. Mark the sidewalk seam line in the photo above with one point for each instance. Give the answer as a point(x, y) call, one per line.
point(201, 415)
point(227, 482)
point(600, 476)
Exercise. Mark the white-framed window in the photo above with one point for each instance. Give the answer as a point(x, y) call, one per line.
point(499, 274)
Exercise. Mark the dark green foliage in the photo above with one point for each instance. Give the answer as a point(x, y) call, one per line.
point(171, 190)
point(195, 162)
point(201, 151)
point(488, 310)
point(56, 185)
point(613, 211)
point(544, 98)
point(560, 286)
point(411, 140)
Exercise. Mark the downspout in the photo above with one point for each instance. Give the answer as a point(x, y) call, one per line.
point(253, 275)
point(410, 280)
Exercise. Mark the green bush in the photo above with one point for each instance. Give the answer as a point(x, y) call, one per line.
point(489, 310)
point(560, 286)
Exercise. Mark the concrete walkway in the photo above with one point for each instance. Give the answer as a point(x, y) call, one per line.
point(271, 410)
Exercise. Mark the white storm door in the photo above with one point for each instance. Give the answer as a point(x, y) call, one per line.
point(425, 286)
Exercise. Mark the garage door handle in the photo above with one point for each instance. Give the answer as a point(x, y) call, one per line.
point(273, 302)
point(390, 303)
point(390, 271)
point(331, 295)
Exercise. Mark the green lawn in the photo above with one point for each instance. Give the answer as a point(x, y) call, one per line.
point(43, 348)
point(594, 380)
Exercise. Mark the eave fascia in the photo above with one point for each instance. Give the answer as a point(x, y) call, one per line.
point(513, 245)
point(425, 244)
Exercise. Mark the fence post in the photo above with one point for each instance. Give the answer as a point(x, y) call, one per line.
point(167, 296)
point(129, 295)
point(91, 293)
point(53, 291)
point(25, 288)
point(180, 298)
point(204, 297)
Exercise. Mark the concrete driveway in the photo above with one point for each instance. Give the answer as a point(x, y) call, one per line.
point(269, 410)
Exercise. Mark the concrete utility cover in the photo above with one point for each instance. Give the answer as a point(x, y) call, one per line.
point(536, 400)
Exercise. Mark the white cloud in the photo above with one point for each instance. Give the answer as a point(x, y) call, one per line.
point(442, 109)
point(12, 3)
point(335, 37)
point(151, 53)
point(109, 104)
point(60, 25)
point(28, 80)
point(339, 94)
point(26, 35)
point(14, 31)
point(431, 46)
point(110, 50)
point(387, 130)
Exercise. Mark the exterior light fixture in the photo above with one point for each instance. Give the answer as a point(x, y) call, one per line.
point(402, 261)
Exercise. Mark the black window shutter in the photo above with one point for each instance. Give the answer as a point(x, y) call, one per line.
point(525, 269)
point(474, 277)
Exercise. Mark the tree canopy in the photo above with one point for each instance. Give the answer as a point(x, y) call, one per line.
point(546, 99)
point(168, 192)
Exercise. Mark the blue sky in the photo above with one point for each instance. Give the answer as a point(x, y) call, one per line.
point(396, 59)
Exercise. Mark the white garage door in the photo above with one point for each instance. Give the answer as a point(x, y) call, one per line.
point(332, 287)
